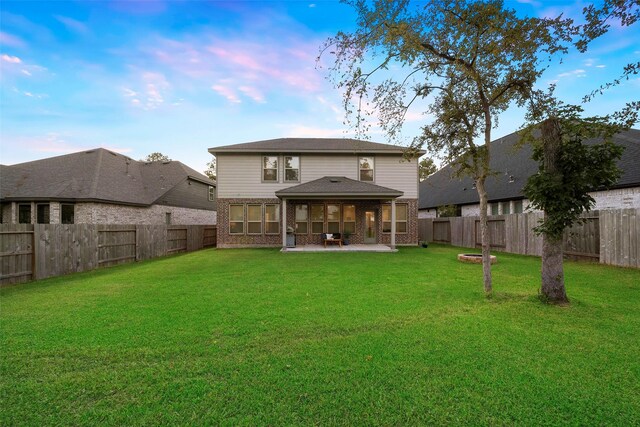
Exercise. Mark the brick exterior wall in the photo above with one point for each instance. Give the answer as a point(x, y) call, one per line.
point(622, 198)
point(227, 240)
point(106, 213)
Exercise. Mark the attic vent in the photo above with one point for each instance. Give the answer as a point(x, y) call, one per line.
point(90, 151)
point(166, 163)
point(334, 179)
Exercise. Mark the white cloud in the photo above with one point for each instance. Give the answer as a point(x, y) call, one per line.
point(10, 59)
point(574, 73)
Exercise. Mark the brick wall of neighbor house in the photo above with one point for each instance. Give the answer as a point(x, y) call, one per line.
point(246, 240)
point(6, 213)
point(105, 213)
point(621, 198)
point(430, 213)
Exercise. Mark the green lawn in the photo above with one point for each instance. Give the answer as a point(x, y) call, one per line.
point(257, 337)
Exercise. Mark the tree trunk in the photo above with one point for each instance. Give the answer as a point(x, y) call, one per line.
point(484, 232)
point(552, 289)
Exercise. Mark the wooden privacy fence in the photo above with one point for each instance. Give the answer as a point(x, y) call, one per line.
point(608, 236)
point(29, 252)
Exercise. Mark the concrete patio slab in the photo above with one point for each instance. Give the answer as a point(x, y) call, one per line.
point(344, 248)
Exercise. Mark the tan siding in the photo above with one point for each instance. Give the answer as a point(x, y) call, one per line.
point(393, 172)
point(239, 175)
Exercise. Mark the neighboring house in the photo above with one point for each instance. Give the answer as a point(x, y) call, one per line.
point(513, 166)
point(313, 186)
point(102, 187)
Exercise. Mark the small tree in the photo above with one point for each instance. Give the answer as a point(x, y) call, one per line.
point(211, 169)
point(156, 157)
point(468, 60)
point(426, 167)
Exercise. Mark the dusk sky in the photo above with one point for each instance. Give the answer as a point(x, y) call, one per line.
point(182, 76)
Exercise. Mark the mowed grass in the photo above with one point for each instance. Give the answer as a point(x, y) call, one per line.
point(257, 337)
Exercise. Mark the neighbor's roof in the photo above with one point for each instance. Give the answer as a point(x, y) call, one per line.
point(339, 187)
point(514, 166)
point(99, 175)
point(311, 145)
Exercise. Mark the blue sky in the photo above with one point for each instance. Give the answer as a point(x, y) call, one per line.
point(182, 76)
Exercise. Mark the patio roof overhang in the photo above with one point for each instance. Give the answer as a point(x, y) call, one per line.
point(338, 187)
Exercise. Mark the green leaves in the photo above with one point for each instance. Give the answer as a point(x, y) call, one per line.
point(580, 168)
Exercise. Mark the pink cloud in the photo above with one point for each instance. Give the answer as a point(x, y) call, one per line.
point(226, 92)
point(249, 67)
point(10, 59)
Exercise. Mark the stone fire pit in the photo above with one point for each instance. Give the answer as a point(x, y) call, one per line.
point(475, 258)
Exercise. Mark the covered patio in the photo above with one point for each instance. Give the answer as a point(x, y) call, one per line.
point(338, 191)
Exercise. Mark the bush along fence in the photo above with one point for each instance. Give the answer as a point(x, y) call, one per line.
point(607, 236)
point(37, 251)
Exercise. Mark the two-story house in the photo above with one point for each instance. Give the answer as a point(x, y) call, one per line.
point(311, 186)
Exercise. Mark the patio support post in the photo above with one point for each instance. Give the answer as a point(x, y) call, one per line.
point(393, 223)
point(284, 223)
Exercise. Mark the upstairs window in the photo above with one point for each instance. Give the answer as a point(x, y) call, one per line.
point(270, 168)
point(292, 168)
point(366, 168)
point(212, 193)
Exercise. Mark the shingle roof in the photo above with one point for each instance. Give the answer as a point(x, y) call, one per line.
point(338, 186)
point(514, 166)
point(97, 174)
point(313, 145)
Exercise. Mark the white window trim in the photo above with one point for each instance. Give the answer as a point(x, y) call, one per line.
point(373, 169)
point(295, 212)
point(355, 220)
point(277, 169)
point(212, 193)
point(285, 168)
point(324, 217)
point(260, 221)
point(397, 220)
point(277, 221)
point(244, 217)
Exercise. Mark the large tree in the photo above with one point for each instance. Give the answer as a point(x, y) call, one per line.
point(569, 169)
point(463, 62)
